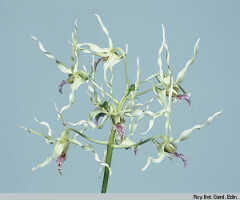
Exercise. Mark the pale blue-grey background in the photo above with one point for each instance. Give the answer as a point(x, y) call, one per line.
point(29, 87)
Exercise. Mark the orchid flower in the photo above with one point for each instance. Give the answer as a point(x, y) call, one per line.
point(110, 55)
point(76, 77)
point(168, 146)
point(163, 78)
point(61, 147)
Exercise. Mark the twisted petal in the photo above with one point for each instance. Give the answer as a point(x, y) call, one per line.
point(61, 66)
point(93, 48)
point(43, 164)
point(112, 60)
point(182, 73)
point(185, 134)
point(154, 160)
point(105, 30)
point(84, 123)
point(46, 125)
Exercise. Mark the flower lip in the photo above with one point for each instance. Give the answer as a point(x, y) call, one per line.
point(184, 97)
point(172, 149)
point(181, 156)
point(120, 130)
point(60, 87)
point(60, 161)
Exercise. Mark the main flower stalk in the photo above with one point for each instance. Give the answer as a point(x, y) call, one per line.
point(108, 160)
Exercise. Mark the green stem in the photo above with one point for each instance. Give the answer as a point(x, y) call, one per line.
point(139, 143)
point(149, 78)
point(144, 92)
point(108, 161)
point(116, 146)
point(88, 138)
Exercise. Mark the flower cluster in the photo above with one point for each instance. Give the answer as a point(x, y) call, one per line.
point(125, 112)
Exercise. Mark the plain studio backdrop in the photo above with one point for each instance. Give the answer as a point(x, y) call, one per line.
point(29, 88)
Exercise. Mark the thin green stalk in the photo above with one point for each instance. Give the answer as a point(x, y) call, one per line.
point(144, 92)
point(139, 143)
point(88, 138)
point(108, 161)
point(117, 146)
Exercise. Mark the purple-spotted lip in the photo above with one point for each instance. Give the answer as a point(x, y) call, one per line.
point(120, 130)
point(181, 156)
point(60, 161)
point(60, 87)
point(184, 97)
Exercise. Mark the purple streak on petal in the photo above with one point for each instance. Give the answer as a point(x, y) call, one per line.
point(60, 161)
point(120, 130)
point(60, 87)
point(181, 156)
point(98, 116)
point(184, 97)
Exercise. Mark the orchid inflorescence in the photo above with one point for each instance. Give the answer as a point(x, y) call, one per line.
point(128, 110)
